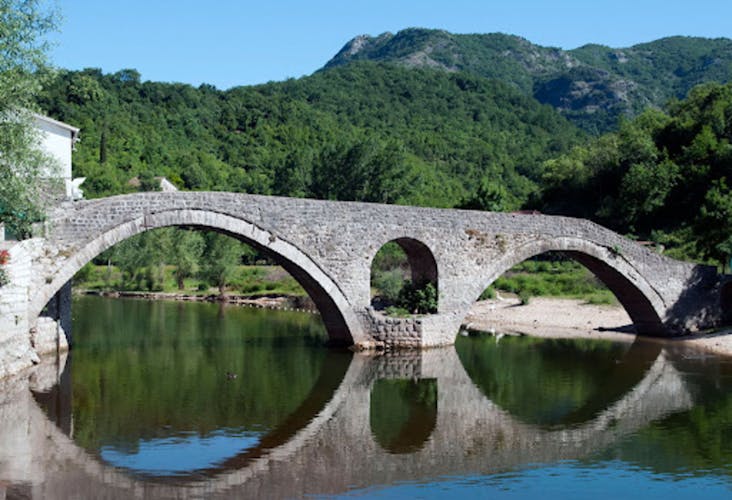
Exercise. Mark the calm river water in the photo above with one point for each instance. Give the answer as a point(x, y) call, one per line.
point(189, 400)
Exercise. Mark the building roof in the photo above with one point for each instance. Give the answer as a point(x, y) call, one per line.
point(74, 131)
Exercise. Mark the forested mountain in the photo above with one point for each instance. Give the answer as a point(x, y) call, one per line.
point(592, 86)
point(369, 131)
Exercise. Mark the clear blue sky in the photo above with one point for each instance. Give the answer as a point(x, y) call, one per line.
point(229, 42)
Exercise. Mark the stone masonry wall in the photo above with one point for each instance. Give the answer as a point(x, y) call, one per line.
point(389, 331)
point(16, 352)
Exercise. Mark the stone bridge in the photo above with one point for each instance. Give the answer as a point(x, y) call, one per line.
point(329, 246)
point(335, 449)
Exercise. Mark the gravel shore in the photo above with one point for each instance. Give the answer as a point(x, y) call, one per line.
point(572, 318)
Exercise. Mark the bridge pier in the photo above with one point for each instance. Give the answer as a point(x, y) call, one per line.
point(414, 332)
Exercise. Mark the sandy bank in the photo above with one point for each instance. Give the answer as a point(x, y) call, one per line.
point(571, 318)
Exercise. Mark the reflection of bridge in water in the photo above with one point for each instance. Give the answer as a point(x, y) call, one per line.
point(335, 450)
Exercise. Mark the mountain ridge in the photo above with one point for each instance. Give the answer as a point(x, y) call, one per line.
point(592, 85)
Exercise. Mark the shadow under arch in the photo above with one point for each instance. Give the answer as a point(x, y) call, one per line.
point(637, 296)
point(421, 261)
point(725, 298)
point(340, 321)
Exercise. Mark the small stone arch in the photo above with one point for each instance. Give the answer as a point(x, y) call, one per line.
point(421, 260)
point(340, 321)
point(636, 295)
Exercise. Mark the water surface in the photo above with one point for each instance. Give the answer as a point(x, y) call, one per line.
point(203, 400)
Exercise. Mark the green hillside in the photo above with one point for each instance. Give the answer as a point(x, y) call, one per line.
point(663, 176)
point(368, 131)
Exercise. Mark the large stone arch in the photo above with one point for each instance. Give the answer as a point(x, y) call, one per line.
point(338, 317)
point(641, 301)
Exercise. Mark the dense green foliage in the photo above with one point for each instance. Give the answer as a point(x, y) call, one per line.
point(661, 176)
point(23, 24)
point(592, 85)
point(245, 280)
point(366, 132)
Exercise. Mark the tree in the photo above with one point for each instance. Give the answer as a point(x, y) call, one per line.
point(490, 196)
point(714, 226)
point(366, 170)
point(221, 257)
point(22, 66)
point(143, 257)
point(645, 189)
point(186, 254)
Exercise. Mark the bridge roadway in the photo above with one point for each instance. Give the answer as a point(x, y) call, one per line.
point(336, 450)
point(328, 247)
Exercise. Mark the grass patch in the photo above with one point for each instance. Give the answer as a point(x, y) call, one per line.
point(545, 278)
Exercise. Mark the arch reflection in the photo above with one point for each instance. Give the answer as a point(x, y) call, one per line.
point(554, 382)
point(188, 390)
point(403, 413)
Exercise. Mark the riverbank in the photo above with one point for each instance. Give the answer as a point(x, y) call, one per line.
point(573, 318)
point(545, 317)
point(267, 301)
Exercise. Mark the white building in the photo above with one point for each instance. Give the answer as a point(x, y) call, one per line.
point(57, 139)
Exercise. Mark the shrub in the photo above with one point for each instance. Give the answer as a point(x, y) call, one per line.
point(252, 287)
point(396, 311)
point(389, 285)
point(524, 296)
point(84, 274)
point(418, 299)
